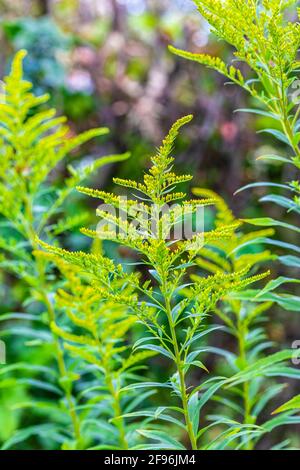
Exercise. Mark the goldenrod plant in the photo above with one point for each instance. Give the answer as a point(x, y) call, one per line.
point(34, 140)
point(265, 36)
point(174, 314)
point(95, 330)
point(244, 320)
point(92, 322)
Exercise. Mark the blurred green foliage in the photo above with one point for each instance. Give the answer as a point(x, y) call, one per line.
point(106, 63)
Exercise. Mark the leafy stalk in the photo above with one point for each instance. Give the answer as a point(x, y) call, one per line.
point(33, 142)
point(172, 313)
point(265, 39)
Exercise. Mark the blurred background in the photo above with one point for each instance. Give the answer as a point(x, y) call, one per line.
point(106, 63)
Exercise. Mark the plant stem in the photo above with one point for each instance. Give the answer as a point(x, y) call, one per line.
point(180, 369)
point(114, 392)
point(246, 392)
point(62, 370)
point(51, 318)
point(117, 412)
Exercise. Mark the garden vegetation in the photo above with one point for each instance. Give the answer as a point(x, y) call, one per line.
point(95, 325)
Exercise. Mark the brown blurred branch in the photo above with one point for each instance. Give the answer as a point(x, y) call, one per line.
point(118, 16)
point(44, 7)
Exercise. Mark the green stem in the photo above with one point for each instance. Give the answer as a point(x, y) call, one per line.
point(246, 385)
point(62, 370)
point(114, 392)
point(283, 113)
point(180, 369)
point(116, 405)
point(51, 318)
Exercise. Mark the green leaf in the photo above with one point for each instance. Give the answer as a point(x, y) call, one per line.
point(269, 222)
point(141, 398)
point(42, 385)
point(194, 406)
point(167, 442)
point(261, 112)
point(203, 333)
point(156, 415)
point(291, 261)
point(286, 301)
point(217, 383)
point(267, 241)
point(278, 134)
point(25, 332)
point(281, 201)
point(157, 349)
point(264, 399)
point(49, 431)
point(293, 404)
point(285, 419)
point(20, 316)
point(260, 367)
point(276, 158)
point(24, 367)
point(272, 285)
point(152, 385)
point(263, 185)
